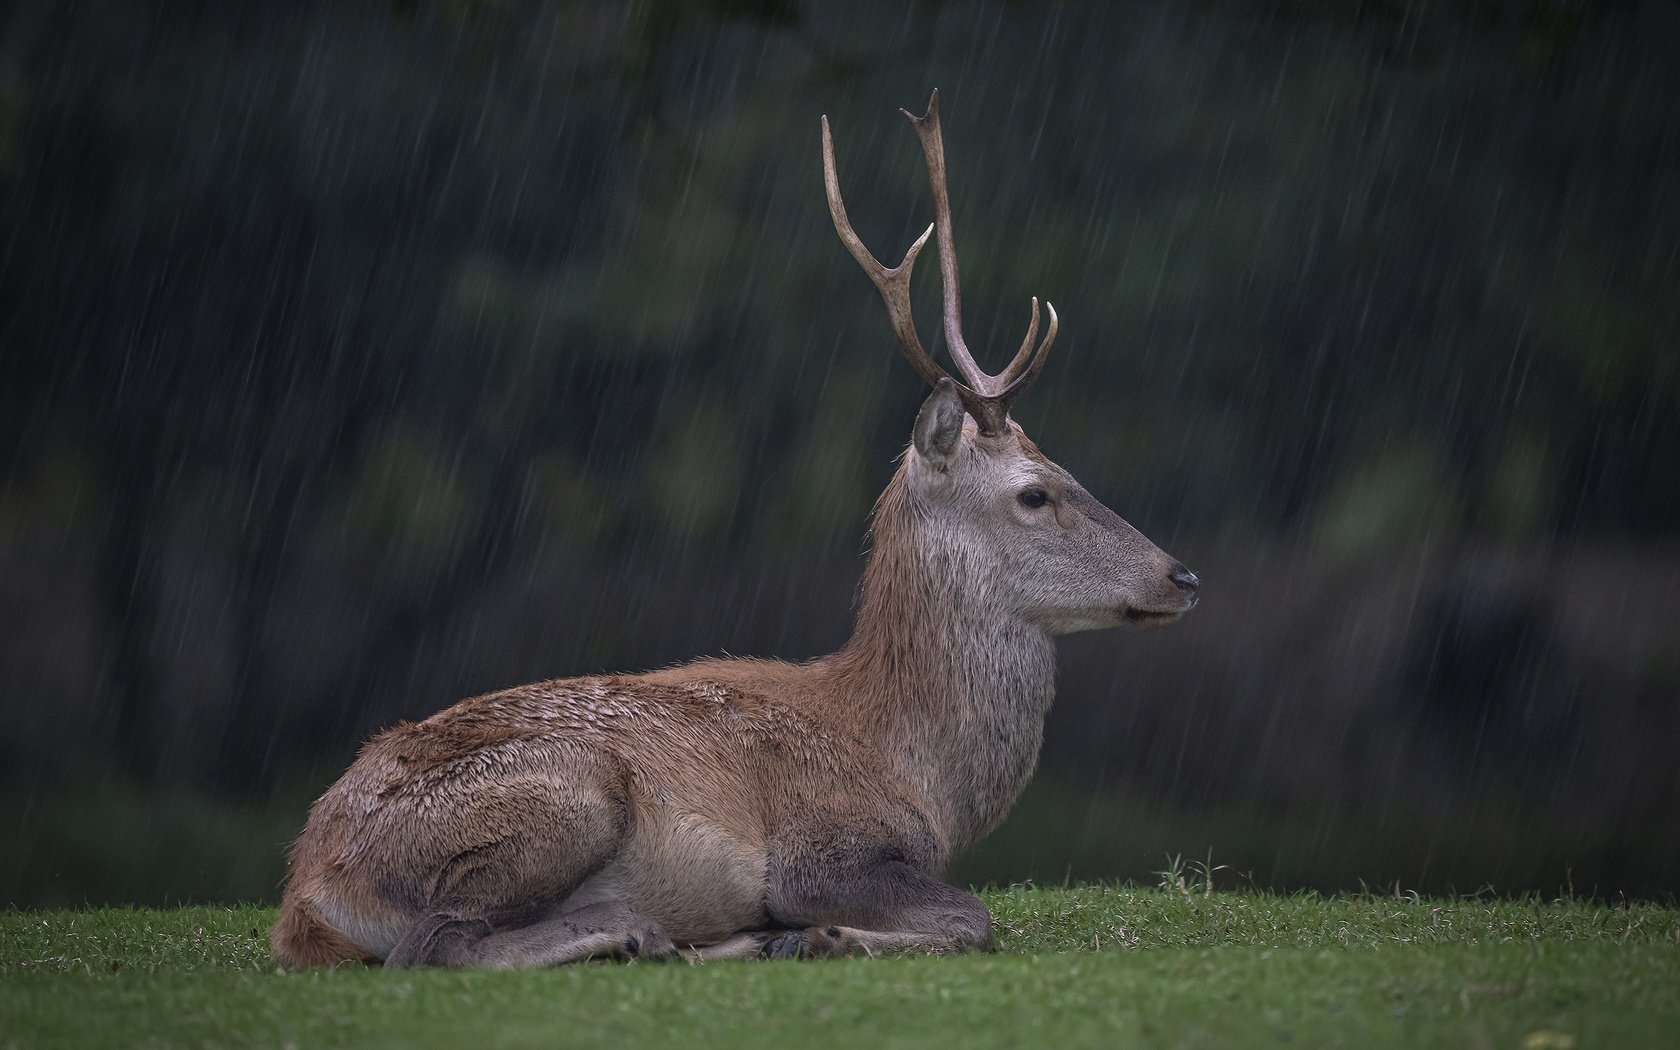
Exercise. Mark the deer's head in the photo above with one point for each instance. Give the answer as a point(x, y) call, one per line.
point(999, 508)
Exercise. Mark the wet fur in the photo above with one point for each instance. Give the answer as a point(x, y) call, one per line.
point(739, 807)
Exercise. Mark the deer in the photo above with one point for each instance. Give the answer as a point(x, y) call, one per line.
point(736, 808)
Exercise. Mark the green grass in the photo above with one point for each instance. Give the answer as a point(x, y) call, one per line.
point(1087, 966)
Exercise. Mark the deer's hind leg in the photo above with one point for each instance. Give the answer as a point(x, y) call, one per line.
point(518, 848)
point(865, 909)
point(610, 928)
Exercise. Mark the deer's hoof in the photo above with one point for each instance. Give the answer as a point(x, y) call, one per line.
point(813, 942)
point(789, 944)
point(650, 945)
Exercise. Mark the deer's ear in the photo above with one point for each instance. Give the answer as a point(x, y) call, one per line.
point(939, 425)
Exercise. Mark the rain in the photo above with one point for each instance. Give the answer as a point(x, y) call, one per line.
point(358, 358)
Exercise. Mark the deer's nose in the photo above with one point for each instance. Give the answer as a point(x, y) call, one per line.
point(1185, 580)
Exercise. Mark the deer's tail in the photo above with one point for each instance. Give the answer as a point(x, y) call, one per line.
point(302, 940)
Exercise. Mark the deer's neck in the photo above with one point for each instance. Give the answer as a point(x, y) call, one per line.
point(954, 688)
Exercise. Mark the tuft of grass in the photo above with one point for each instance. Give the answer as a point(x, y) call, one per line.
point(1181, 876)
point(1076, 966)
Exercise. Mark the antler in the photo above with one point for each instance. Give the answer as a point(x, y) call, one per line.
point(986, 397)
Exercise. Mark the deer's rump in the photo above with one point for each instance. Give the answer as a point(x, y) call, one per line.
point(553, 797)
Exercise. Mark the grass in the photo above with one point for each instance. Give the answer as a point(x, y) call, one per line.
point(1083, 966)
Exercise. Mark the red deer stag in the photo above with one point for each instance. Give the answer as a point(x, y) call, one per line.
point(733, 808)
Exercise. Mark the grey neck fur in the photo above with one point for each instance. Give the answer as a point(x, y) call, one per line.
point(945, 678)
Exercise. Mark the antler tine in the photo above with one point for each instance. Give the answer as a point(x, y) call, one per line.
point(933, 147)
point(893, 283)
point(1023, 355)
point(1030, 373)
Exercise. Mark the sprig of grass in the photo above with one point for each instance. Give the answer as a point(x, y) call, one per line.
point(1184, 877)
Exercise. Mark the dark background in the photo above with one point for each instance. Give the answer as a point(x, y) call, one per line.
point(356, 357)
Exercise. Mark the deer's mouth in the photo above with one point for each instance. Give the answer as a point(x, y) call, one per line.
point(1153, 617)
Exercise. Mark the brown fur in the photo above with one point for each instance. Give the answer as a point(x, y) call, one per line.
point(301, 940)
point(678, 790)
point(741, 807)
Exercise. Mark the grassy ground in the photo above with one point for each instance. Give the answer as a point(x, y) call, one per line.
point(1088, 966)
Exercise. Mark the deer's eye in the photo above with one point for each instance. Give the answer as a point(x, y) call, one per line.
point(1033, 498)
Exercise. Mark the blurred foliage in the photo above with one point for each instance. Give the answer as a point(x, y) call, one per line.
point(356, 355)
point(404, 492)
